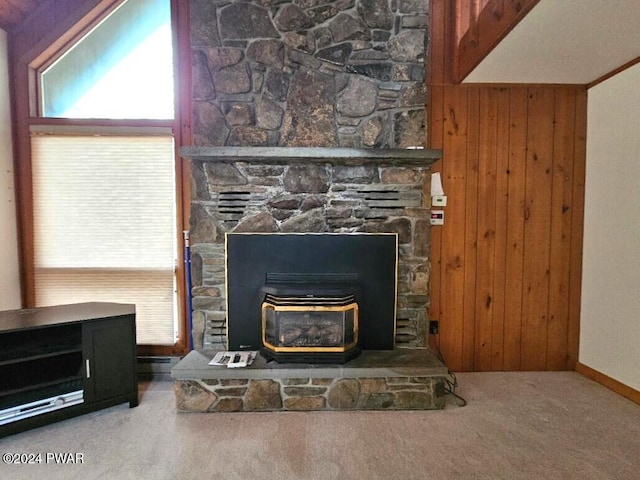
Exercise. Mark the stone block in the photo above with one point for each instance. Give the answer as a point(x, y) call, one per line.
point(192, 397)
point(312, 221)
point(413, 6)
point(376, 13)
point(248, 136)
point(233, 382)
point(347, 27)
point(305, 403)
point(306, 179)
point(322, 13)
point(231, 392)
point(313, 201)
point(401, 175)
point(377, 70)
point(408, 46)
point(268, 114)
point(414, 94)
point(378, 401)
point(286, 202)
point(304, 391)
point(263, 395)
point(293, 18)
point(202, 82)
point(422, 238)
point(412, 401)
point(419, 282)
point(228, 404)
point(336, 54)
point(222, 57)
point(260, 222)
point(322, 381)
point(397, 380)
point(407, 387)
point(224, 174)
point(281, 215)
point(277, 84)
point(204, 23)
point(267, 52)
point(232, 80)
point(415, 21)
point(422, 380)
point(206, 291)
point(239, 114)
point(417, 300)
point(242, 20)
point(344, 393)
point(372, 385)
point(295, 381)
point(371, 131)
point(358, 98)
point(206, 303)
point(309, 118)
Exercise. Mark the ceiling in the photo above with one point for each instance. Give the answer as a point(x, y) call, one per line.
point(12, 12)
point(559, 41)
point(565, 41)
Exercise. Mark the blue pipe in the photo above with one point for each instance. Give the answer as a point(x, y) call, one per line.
point(187, 278)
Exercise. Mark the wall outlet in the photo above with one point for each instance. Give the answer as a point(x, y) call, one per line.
point(433, 327)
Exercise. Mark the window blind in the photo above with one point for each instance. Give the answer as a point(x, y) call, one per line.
point(104, 225)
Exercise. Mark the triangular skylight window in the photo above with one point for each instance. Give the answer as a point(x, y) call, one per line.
point(122, 69)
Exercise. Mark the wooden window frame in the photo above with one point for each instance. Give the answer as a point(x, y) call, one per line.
point(42, 38)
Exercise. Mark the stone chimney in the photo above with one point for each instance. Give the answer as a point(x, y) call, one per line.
point(309, 73)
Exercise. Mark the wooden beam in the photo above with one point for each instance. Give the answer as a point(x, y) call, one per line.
point(53, 25)
point(494, 22)
point(614, 72)
point(10, 15)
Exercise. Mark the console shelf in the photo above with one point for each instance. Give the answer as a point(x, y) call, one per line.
point(38, 356)
point(59, 362)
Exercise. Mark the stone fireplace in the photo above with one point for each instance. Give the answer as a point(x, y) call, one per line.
point(308, 117)
point(309, 190)
point(303, 113)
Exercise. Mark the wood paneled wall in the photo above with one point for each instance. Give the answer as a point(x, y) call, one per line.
point(506, 266)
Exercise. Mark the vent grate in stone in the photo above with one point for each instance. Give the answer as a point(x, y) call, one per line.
point(233, 205)
point(215, 334)
point(389, 198)
point(406, 332)
point(233, 202)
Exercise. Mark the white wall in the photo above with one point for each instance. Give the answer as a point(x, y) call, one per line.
point(9, 274)
point(610, 317)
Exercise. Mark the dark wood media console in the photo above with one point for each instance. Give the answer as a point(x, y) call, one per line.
point(63, 361)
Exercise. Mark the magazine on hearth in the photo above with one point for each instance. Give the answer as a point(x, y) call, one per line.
point(234, 359)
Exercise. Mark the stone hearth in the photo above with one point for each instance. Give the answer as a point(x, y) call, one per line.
point(402, 379)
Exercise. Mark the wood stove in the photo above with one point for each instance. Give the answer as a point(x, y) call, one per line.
point(312, 298)
point(310, 318)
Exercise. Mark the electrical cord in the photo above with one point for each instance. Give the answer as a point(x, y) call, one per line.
point(450, 388)
point(451, 383)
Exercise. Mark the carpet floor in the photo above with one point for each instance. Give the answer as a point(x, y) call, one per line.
point(525, 425)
